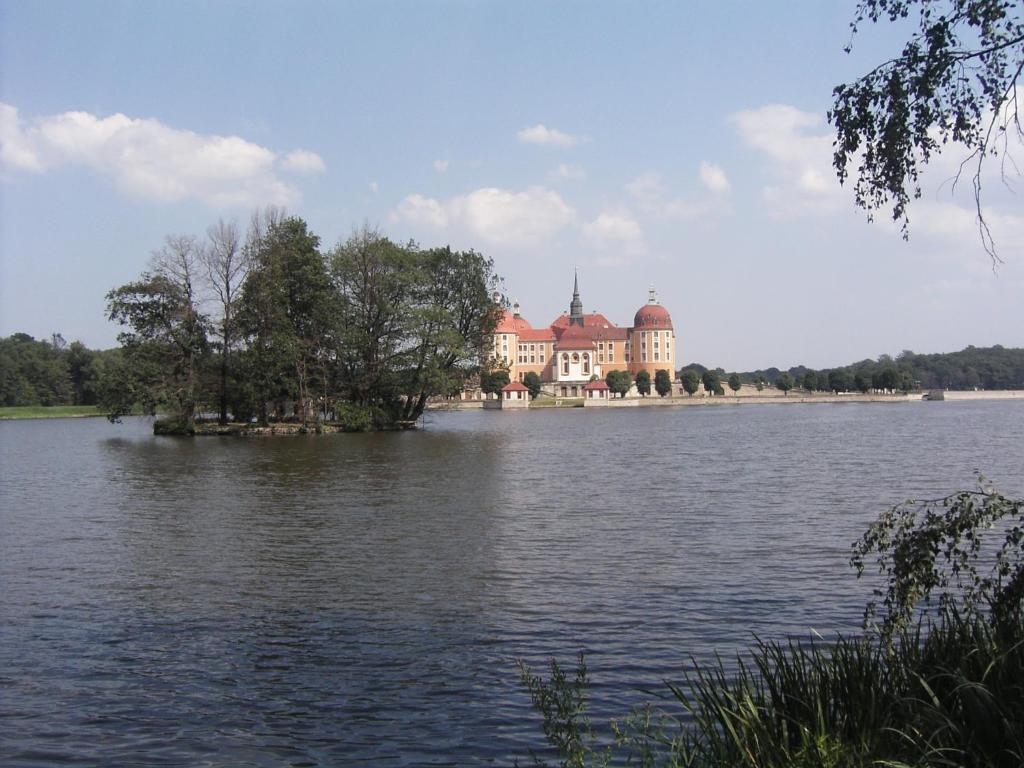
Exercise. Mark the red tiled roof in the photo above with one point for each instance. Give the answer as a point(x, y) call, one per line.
point(537, 334)
point(596, 384)
point(595, 319)
point(575, 337)
point(515, 386)
point(509, 323)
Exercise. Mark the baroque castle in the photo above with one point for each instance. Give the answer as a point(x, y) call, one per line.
point(576, 346)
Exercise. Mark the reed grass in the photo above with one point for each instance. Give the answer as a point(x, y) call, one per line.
point(947, 694)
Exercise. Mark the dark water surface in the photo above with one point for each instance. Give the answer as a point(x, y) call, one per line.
point(360, 598)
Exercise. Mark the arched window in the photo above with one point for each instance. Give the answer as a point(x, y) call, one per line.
point(586, 363)
point(565, 364)
point(575, 357)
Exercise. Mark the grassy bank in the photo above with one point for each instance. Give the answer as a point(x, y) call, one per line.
point(49, 412)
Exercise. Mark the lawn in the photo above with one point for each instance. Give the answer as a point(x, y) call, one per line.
point(49, 412)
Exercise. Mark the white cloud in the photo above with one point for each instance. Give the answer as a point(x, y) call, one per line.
point(713, 177)
point(440, 166)
point(541, 134)
point(418, 209)
point(150, 160)
point(567, 172)
point(615, 231)
point(374, 187)
point(303, 161)
point(497, 216)
point(798, 146)
point(653, 199)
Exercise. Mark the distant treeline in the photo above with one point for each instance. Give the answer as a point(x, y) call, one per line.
point(52, 372)
point(995, 367)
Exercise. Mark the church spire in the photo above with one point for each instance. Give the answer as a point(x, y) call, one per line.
point(576, 306)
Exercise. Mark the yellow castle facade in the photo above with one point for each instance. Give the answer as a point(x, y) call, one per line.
point(577, 346)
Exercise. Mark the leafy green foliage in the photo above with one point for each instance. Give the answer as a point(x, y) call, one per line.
point(283, 317)
point(662, 382)
point(838, 380)
point(619, 382)
point(164, 339)
point(943, 547)
point(810, 380)
point(784, 382)
point(954, 81)
point(567, 726)
point(492, 381)
point(691, 381)
point(994, 367)
point(734, 382)
point(643, 383)
point(532, 382)
point(712, 384)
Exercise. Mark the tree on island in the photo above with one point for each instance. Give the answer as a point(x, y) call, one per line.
point(619, 382)
point(643, 383)
point(532, 382)
point(735, 383)
point(165, 337)
point(226, 266)
point(784, 383)
point(690, 381)
point(287, 315)
point(954, 82)
point(662, 382)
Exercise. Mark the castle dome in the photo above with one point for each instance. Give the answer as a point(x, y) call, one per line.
point(652, 316)
point(512, 323)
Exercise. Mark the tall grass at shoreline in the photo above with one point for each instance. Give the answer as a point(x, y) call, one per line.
point(940, 682)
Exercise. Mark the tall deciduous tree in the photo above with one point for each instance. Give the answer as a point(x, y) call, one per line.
point(955, 81)
point(165, 337)
point(285, 312)
point(226, 268)
point(414, 323)
point(734, 382)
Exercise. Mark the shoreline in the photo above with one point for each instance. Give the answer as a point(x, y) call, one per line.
point(741, 399)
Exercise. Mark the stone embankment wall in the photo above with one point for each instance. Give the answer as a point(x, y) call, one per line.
point(750, 396)
point(992, 394)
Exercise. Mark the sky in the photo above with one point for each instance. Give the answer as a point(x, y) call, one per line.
point(682, 146)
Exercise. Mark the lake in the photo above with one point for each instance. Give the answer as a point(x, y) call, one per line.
point(354, 599)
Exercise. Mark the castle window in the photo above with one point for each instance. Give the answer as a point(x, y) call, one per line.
point(657, 356)
point(586, 363)
point(575, 357)
point(533, 358)
point(611, 353)
point(541, 357)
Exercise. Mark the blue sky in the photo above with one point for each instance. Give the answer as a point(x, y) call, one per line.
point(677, 145)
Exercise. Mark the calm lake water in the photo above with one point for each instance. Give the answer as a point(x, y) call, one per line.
point(361, 598)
